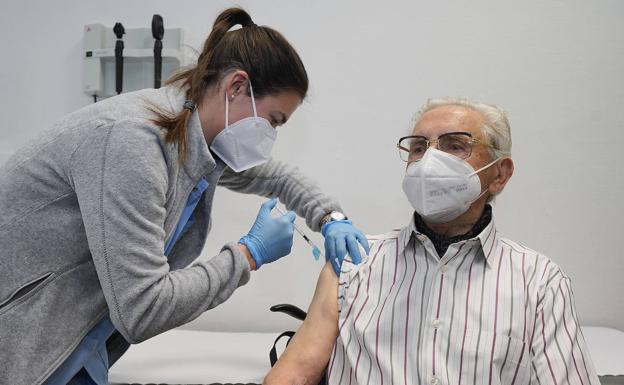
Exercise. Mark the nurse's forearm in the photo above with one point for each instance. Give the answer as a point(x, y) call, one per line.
point(159, 302)
point(279, 179)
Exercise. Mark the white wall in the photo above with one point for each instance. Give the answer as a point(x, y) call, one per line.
point(557, 66)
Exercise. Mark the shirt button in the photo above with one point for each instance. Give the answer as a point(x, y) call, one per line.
point(436, 323)
point(435, 381)
point(444, 269)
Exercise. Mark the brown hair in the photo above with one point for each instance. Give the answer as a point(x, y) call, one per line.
point(270, 61)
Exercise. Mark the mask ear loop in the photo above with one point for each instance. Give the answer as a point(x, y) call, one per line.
point(227, 104)
point(478, 171)
point(253, 100)
point(486, 166)
point(227, 111)
point(480, 195)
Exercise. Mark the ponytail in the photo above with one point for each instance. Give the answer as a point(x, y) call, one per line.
point(262, 52)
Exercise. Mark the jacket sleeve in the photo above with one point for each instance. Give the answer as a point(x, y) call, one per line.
point(278, 179)
point(120, 178)
point(558, 351)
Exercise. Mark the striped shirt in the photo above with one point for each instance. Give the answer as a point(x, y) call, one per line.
point(489, 311)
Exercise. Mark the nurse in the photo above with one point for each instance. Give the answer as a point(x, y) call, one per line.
point(103, 215)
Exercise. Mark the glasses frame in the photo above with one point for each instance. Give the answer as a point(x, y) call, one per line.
point(437, 141)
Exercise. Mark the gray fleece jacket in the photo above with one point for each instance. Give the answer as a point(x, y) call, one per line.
point(85, 212)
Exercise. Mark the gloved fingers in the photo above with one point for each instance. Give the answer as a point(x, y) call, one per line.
point(268, 206)
point(354, 250)
point(330, 249)
point(290, 231)
point(363, 241)
point(341, 248)
point(290, 216)
point(336, 265)
point(289, 243)
point(335, 259)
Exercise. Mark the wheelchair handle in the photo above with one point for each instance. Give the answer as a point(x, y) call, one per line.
point(291, 310)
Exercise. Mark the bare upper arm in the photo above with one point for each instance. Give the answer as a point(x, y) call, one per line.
point(306, 357)
point(324, 305)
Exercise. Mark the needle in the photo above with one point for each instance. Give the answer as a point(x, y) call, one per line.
point(315, 249)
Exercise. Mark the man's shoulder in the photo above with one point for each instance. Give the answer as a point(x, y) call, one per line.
point(532, 261)
point(376, 243)
point(392, 234)
point(519, 248)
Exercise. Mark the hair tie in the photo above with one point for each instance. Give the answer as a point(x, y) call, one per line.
point(190, 105)
point(251, 24)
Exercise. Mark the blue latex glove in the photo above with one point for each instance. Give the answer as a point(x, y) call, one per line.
point(270, 238)
point(341, 237)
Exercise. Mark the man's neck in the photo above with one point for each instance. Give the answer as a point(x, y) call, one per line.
point(462, 224)
point(443, 237)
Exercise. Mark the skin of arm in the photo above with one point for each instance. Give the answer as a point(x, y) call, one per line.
point(245, 250)
point(308, 353)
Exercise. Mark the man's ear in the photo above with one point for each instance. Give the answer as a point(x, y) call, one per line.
point(505, 168)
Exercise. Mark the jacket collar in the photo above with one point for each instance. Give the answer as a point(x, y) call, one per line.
point(199, 160)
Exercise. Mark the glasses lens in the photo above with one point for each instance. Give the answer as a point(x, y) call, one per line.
point(456, 144)
point(403, 153)
point(412, 148)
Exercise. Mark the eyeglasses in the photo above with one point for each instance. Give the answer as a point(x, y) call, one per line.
point(413, 147)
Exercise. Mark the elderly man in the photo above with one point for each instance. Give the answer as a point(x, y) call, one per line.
point(446, 299)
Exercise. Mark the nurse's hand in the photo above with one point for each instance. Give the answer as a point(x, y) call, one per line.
point(341, 237)
point(270, 238)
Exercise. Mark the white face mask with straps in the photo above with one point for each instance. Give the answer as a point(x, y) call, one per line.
point(441, 186)
point(246, 143)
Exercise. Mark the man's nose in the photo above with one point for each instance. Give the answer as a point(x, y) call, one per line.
point(434, 143)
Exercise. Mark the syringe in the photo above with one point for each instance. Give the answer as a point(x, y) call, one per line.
point(315, 249)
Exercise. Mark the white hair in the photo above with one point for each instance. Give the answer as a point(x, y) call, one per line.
point(495, 127)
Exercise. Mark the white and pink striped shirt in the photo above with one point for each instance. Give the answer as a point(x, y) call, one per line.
point(489, 311)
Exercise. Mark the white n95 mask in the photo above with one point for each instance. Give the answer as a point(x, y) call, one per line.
point(246, 143)
point(441, 186)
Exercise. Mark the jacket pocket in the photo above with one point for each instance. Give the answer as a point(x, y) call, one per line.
point(25, 291)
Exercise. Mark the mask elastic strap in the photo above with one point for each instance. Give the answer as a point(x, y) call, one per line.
point(486, 166)
point(478, 171)
point(253, 101)
point(480, 195)
point(227, 110)
point(477, 198)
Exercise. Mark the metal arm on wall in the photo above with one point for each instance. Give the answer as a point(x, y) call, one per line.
point(128, 59)
point(158, 31)
point(119, 31)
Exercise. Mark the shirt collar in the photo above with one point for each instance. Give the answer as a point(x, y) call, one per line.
point(406, 233)
point(487, 239)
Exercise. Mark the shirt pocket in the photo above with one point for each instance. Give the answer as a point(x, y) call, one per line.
point(503, 356)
